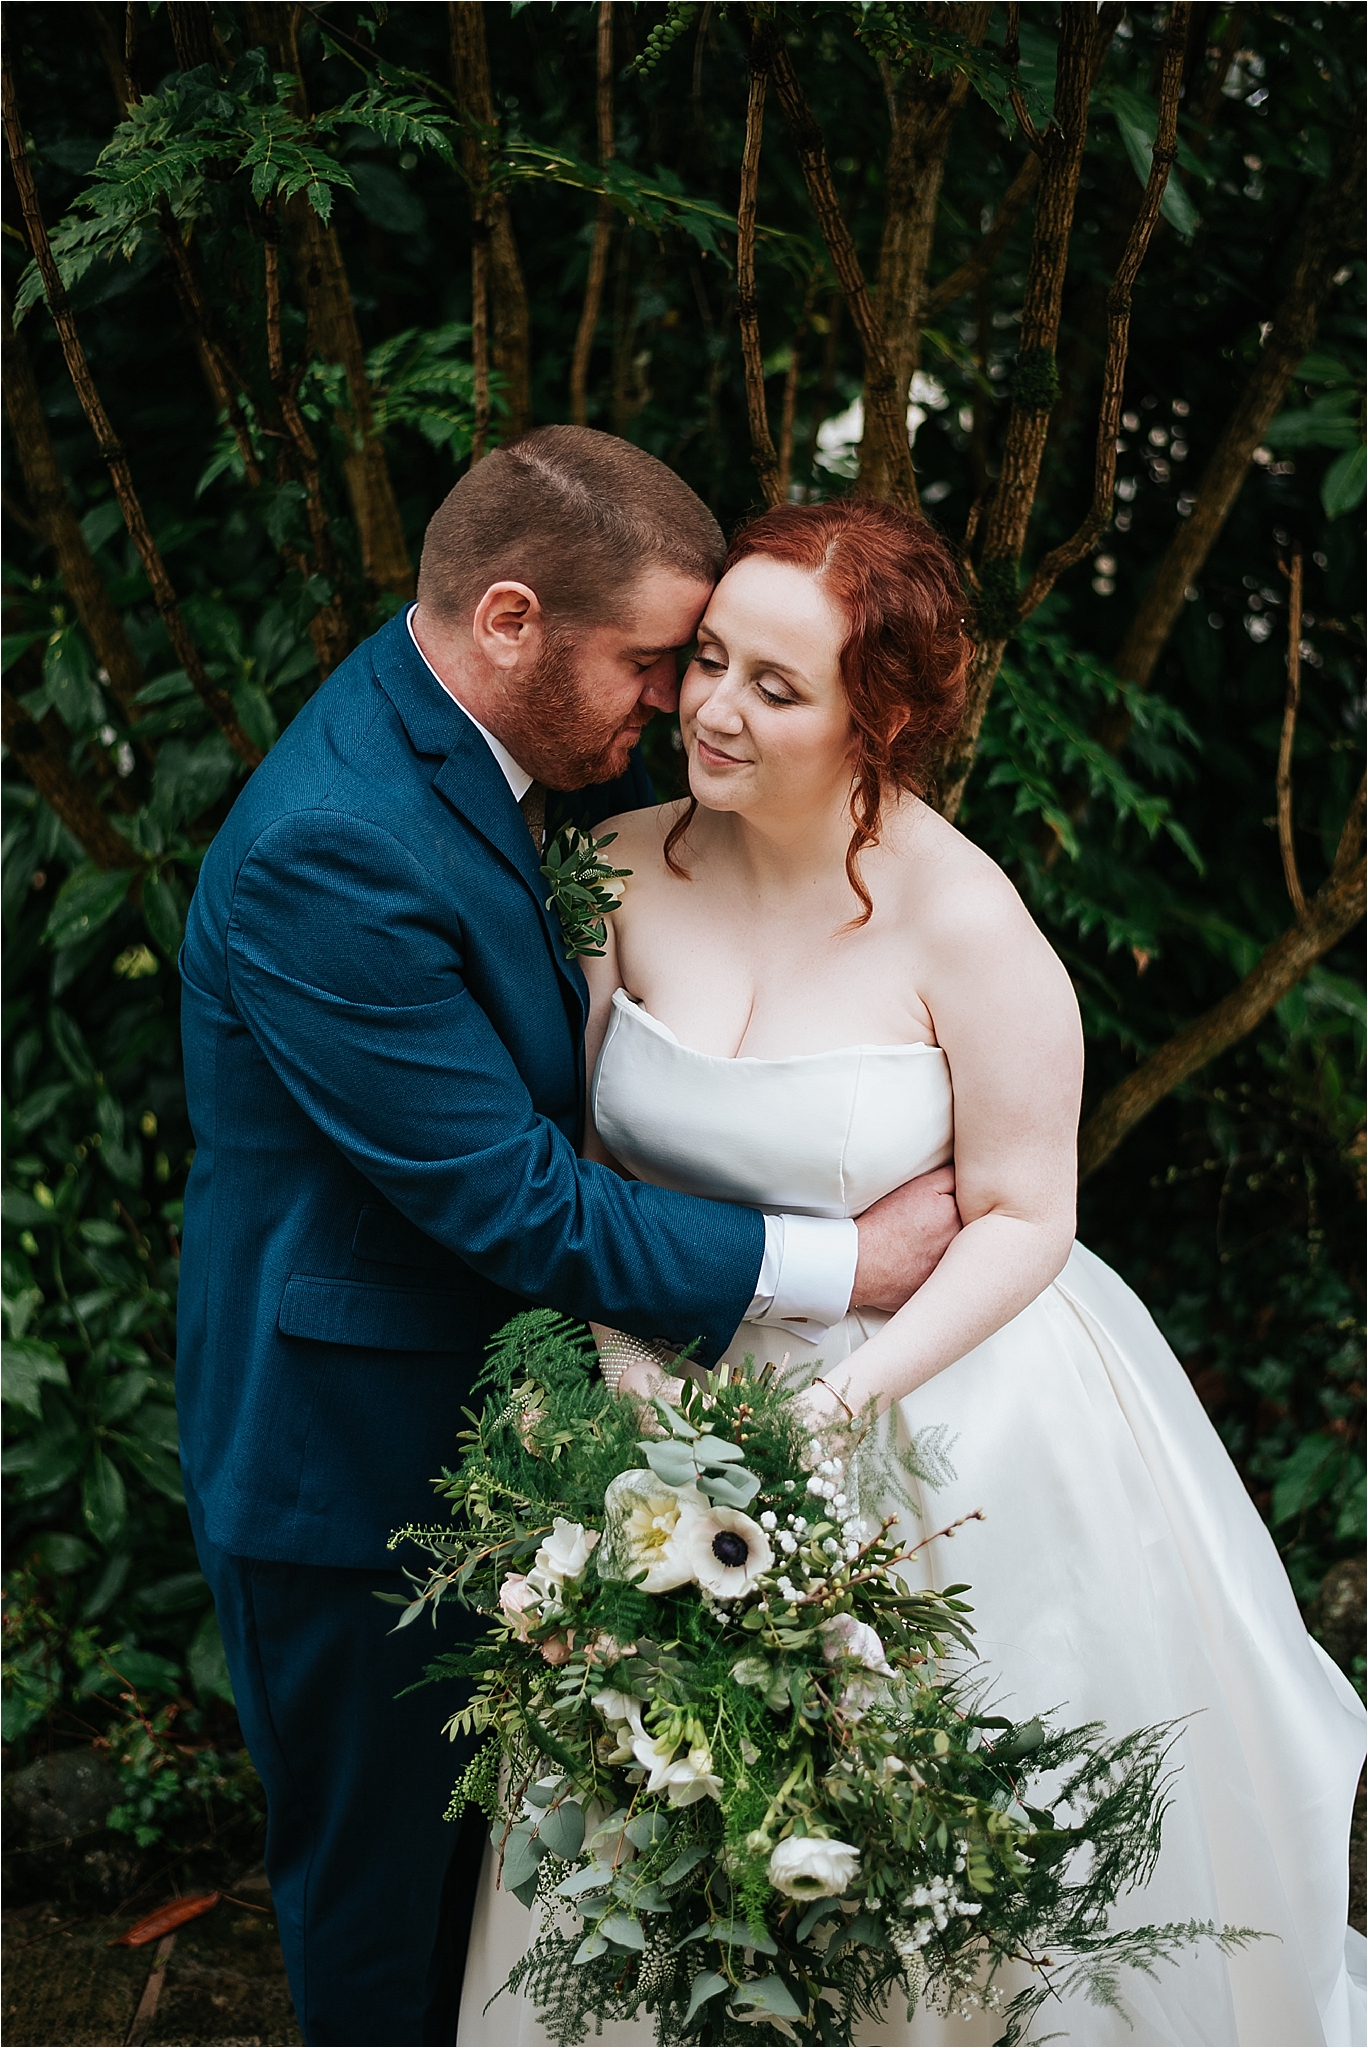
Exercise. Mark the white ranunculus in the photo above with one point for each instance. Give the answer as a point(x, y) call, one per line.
point(844, 1636)
point(564, 1554)
point(646, 1521)
point(808, 1867)
point(726, 1552)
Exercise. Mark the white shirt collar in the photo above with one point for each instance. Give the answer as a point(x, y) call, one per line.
point(518, 779)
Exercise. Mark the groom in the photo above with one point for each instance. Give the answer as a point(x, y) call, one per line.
point(384, 1062)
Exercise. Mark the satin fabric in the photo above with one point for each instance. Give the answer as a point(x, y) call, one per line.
point(1121, 1574)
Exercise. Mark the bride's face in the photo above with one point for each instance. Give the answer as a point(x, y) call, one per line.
point(762, 709)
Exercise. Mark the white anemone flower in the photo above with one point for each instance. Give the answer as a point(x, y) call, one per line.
point(809, 1867)
point(646, 1520)
point(726, 1552)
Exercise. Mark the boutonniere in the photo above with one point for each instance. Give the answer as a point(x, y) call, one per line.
point(582, 894)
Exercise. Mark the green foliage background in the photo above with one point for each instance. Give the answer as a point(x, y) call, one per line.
point(1235, 1209)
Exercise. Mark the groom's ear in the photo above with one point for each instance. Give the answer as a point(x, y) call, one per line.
point(509, 626)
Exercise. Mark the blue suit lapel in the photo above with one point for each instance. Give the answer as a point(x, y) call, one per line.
point(466, 775)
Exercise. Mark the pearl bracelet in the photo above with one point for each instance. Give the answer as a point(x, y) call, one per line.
point(617, 1351)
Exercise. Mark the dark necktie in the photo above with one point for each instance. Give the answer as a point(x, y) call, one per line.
point(532, 804)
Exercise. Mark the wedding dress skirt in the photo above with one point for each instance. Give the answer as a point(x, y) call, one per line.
point(1121, 1575)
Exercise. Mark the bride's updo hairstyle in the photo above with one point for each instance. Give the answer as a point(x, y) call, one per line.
point(906, 655)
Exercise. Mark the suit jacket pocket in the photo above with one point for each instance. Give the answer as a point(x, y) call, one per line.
point(352, 1312)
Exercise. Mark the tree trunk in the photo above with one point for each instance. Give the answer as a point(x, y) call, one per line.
point(1333, 229)
point(923, 119)
point(603, 224)
point(511, 323)
point(56, 520)
point(333, 335)
point(885, 406)
point(1035, 386)
point(39, 753)
point(215, 700)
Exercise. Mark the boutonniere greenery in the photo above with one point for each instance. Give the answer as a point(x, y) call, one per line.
point(582, 892)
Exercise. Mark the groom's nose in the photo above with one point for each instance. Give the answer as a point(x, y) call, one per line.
point(660, 685)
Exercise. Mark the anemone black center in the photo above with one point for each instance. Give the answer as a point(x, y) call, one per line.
point(729, 1548)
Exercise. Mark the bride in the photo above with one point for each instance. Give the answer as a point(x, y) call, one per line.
point(815, 989)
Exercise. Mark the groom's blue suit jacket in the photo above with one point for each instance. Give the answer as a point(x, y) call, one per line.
point(384, 1063)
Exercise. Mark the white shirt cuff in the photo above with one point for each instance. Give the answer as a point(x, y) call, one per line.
point(807, 1275)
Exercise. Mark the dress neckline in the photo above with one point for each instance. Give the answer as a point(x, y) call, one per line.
point(628, 1006)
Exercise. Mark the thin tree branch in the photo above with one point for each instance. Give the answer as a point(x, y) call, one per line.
point(1332, 911)
point(509, 320)
point(479, 332)
point(56, 524)
point(747, 306)
point(1331, 232)
point(1164, 157)
point(975, 268)
point(603, 224)
point(218, 703)
point(789, 411)
point(1286, 843)
point(1034, 383)
point(37, 750)
point(221, 374)
point(885, 405)
point(328, 628)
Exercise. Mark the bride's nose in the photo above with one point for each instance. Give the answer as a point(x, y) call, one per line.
point(721, 710)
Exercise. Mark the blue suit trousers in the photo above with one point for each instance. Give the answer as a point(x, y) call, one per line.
point(373, 1890)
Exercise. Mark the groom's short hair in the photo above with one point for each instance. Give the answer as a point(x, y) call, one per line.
point(573, 513)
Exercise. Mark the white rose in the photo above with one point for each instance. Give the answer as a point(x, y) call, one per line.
point(807, 1867)
point(847, 1637)
point(646, 1522)
point(565, 1552)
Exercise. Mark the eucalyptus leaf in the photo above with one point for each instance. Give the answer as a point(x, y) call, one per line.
point(561, 1831)
point(705, 1985)
point(771, 1996)
point(624, 1930)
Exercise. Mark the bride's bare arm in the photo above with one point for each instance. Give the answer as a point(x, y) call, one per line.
point(1007, 1018)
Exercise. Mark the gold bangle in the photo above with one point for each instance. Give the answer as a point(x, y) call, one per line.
point(818, 1381)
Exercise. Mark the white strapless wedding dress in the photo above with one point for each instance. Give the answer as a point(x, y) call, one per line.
point(1122, 1574)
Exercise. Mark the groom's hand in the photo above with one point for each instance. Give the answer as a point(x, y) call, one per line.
point(903, 1239)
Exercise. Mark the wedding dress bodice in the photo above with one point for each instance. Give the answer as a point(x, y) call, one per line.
point(816, 1134)
point(1121, 1575)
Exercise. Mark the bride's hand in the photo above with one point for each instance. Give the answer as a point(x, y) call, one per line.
point(646, 1381)
point(821, 1409)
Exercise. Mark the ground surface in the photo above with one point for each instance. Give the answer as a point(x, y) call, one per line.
point(64, 1987)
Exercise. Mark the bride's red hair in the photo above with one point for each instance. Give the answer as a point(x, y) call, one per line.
point(906, 655)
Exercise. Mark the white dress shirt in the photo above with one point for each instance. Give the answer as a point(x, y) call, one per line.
point(807, 1274)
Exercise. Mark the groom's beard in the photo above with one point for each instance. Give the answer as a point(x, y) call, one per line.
point(563, 737)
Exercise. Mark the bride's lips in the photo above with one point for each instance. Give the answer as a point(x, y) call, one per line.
point(714, 757)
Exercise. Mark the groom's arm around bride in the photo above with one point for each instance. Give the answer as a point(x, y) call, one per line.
point(384, 1060)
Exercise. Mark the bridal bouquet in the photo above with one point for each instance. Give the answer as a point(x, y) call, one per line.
point(727, 1752)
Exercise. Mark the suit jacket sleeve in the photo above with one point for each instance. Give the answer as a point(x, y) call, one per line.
point(350, 977)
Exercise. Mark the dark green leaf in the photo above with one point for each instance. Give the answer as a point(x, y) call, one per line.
point(87, 899)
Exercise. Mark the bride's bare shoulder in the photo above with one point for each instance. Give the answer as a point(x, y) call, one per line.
point(958, 889)
point(641, 835)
